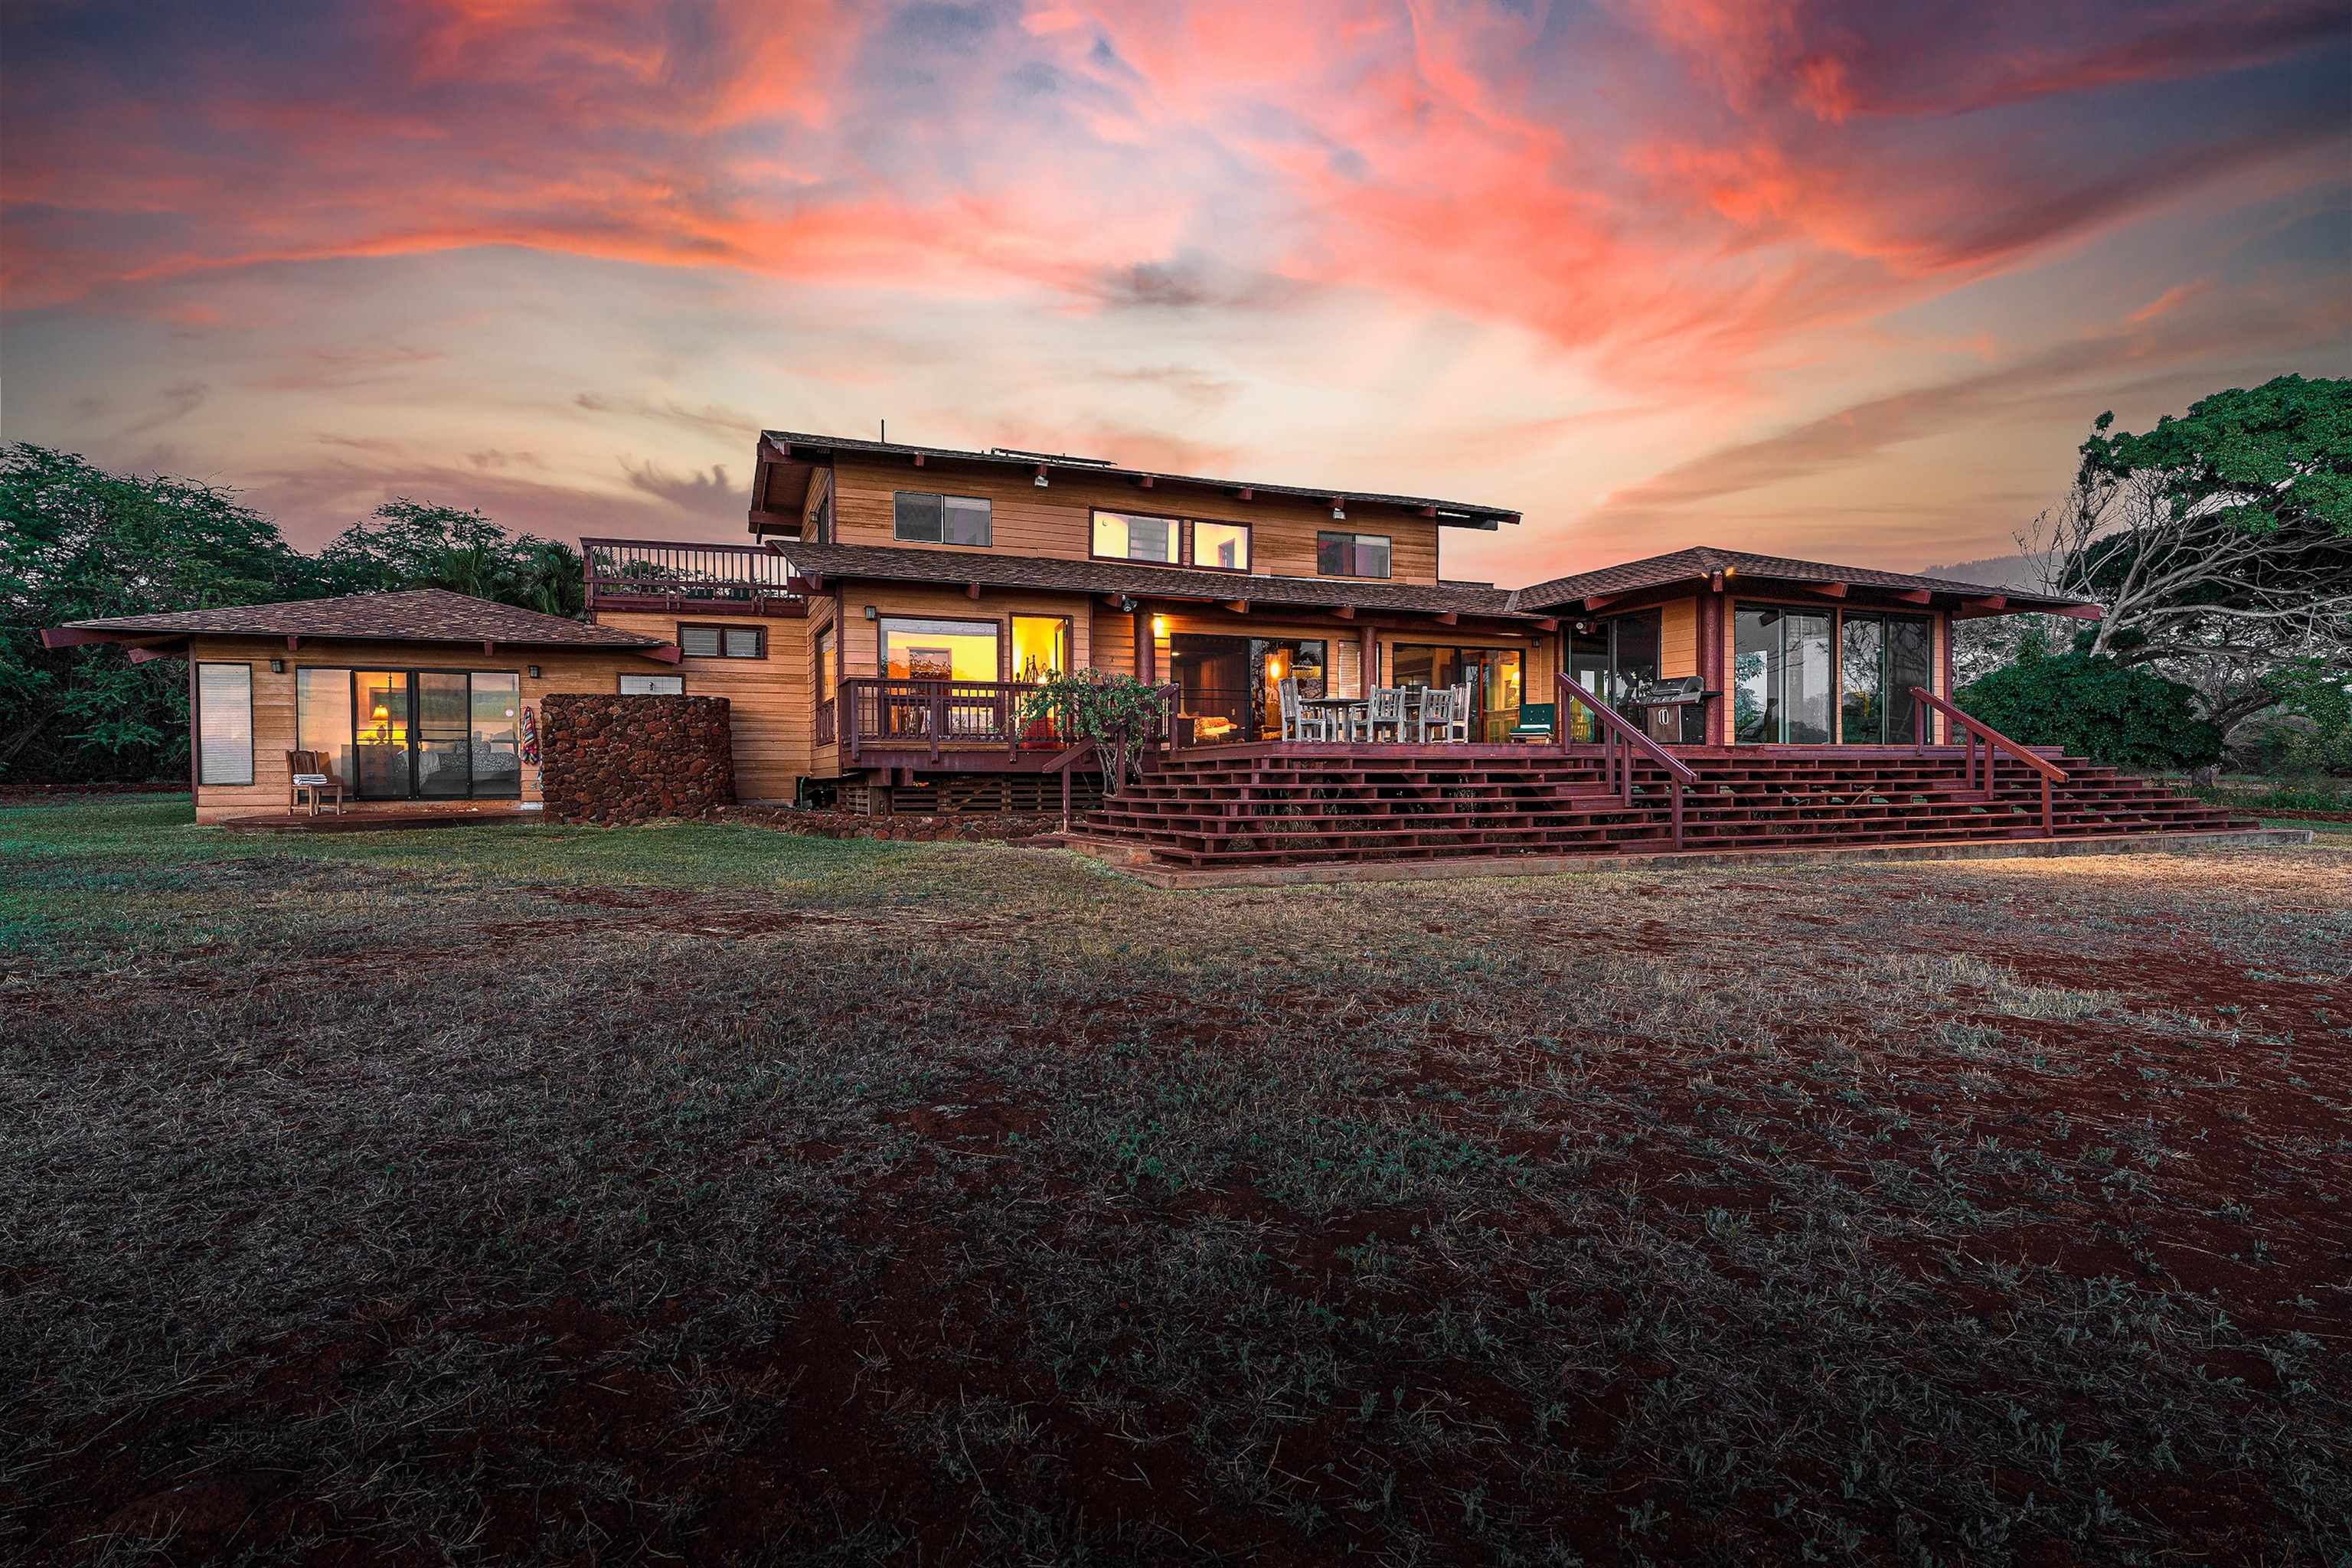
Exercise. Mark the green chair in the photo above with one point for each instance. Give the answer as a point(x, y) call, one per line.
point(1536, 721)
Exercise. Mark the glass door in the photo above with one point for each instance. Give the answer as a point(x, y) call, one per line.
point(443, 762)
point(1879, 659)
point(380, 722)
point(1783, 683)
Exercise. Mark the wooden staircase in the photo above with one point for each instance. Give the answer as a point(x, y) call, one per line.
point(1300, 806)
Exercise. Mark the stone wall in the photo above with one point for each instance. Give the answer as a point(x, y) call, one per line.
point(612, 759)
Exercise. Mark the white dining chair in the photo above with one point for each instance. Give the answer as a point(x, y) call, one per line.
point(1386, 710)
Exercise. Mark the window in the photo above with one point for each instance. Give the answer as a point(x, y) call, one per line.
point(1040, 646)
point(1493, 674)
point(1222, 546)
point(722, 642)
point(1124, 536)
point(916, 649)
point(923, 518)
point(1781, 682)
point(653, 685)
point(1351, 554)
point(828, 671)
point(224, 723)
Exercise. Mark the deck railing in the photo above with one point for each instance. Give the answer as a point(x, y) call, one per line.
point(653, 574)
point(1993, 743)
point(885, 714)
point(1621, 742)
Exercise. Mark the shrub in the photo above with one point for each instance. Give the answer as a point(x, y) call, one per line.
point(2094, 706)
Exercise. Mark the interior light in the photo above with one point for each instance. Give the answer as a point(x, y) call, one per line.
point(380, 713)
point(1160, 625)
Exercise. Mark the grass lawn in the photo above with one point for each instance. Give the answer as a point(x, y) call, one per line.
point(518, 1193)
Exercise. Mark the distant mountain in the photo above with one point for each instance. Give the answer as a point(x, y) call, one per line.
point(1994, 571)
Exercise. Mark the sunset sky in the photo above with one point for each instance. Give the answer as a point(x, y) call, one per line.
point(1840, 280)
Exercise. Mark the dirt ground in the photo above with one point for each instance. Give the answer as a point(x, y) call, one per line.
point(709, 1192)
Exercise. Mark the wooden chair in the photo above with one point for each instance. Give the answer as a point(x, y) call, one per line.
point(310, 777)
point(1436, 712)
point(1385, 710)
point(1535, 721)
point(1299, 722)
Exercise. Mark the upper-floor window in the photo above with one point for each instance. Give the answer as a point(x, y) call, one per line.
point(1351, 554)
point(924, 517)
point(1137, 536)
point(1222, 546)
point(1127, 536)
point(722, 642)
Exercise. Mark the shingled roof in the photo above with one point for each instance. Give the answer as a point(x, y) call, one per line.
point(416, 614)
point(789, 444)
point(892, 563)
point(1702, 561)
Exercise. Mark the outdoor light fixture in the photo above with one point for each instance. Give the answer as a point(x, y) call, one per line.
point(276, 667)
point(871, 613)
point(531, 670)
point(1339, 512)
point(1125, 606)
point(1041, 479)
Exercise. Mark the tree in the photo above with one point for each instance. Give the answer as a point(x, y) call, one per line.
point(2218, 545)
point(2095, 706)
point(78, 542)
point(1117, 712)
point(407, 543)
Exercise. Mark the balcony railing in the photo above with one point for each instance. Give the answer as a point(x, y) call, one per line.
point(888, 715)
point(651, 574)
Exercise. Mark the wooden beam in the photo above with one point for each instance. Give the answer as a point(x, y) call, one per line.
point(1990, 605)
point(1369, 658)
point(919, 459)
point(1449, 619)
point(1547, 623)
point(1145, 482)
point(293, 643)
point(1429, 511)
point(1595, 600)
point(1834, 590)
point(488, 648)
point(142, 655)
point(1238, 606)
point(972, 590)
point(1344, 612)
point(1715, 582)
point(666, 654)
point(1245, 493)
point(1914, 596)
point(2083, 612)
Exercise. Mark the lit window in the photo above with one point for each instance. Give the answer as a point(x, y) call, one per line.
point(1223, 545)
point(1124, 536)
point(916, 649)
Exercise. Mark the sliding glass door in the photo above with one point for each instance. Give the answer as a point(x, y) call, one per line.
point(1783, 682)
point(1879, 659)
point(426, 734)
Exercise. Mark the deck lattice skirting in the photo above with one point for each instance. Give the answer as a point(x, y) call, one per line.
point(1296, 805)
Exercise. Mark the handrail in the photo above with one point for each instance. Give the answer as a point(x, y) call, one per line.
point(1995, 743)
point(1620, 739)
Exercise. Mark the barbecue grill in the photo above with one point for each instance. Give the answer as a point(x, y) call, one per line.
point(1672, 711)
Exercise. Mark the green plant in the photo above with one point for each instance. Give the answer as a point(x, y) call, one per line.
point(1117, 712)
point(2097, 706)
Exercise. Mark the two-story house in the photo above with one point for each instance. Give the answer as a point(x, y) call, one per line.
point(875, 636)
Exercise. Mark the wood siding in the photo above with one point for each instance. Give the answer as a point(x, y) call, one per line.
point(771, 701)
point(1058, 521)
point(273, 697)
point(1678, 639)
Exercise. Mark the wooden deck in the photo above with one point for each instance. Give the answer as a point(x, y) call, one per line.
point(1304, 804)
point(379, 816)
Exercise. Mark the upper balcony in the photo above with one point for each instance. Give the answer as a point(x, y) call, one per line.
point(698, 579)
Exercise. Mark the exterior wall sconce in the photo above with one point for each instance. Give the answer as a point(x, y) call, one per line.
point(1339, 514)
point(871, 613)
point(531, 670)
point(276, 667)
point(1041, 476)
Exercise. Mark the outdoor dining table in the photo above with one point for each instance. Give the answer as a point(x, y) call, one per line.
point(1342, 706)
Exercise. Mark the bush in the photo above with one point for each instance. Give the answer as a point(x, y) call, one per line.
point(2092, 706)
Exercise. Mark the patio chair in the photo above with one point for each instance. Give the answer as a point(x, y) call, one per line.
point(310, 778)
point(1437, 714)
point(1535, 721)
point(1386, 710)
point(1299, 722)
point(1465, 711)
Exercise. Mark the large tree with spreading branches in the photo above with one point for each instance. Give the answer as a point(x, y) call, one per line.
point(2219, 543)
